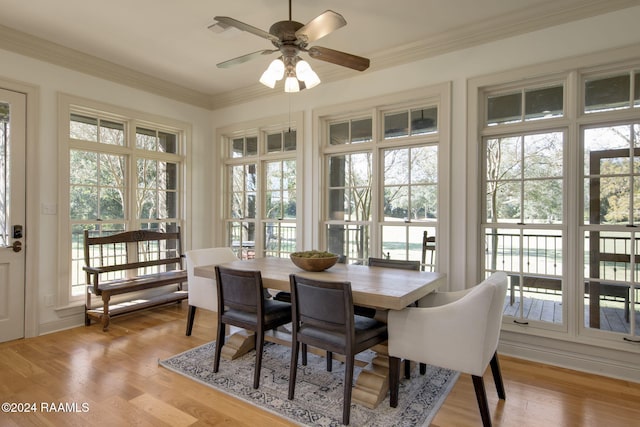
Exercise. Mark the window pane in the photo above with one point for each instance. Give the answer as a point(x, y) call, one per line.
point(146, 139)
point(237, 147)
point(167, 142)
point(274, 142)
point(111, 133)
point(543, 201)
point(279, 238)
point(543, 155)
point(503, 158)
point(605, 150)
point(252, 146)
point(607, 272)
point(396, 203)
point(503, 201)
point(84, 128)
point(502, 250)
point(424, 120)
point(84, 167)
point(83, 202)
point(350, 177)
point(111, 204)
point(339, 133)
point(290, 140)
point(544, 103)
point(504, 109)
point(396, 125)
point(350, 240)
point(610, 93)
point(361, 130)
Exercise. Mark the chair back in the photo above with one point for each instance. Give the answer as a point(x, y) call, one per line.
point(325, 305)
point(394, 263)
point(202, 290)
point(428, 245)
point(494, 319)
point(239, 290)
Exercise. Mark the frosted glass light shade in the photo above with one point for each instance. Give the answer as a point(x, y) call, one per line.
point(291, 84)
point(306, 74)
point(273, 73)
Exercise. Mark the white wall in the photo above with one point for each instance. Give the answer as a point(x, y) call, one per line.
point(50, 80)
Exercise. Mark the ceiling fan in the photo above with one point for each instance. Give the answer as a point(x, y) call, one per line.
point(290, 38)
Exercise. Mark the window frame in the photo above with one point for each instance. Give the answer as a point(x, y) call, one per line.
point(132, 119)
point(260, 129)
point(436, 95)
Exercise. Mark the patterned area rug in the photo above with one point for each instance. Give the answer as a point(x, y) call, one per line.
point(318, 395)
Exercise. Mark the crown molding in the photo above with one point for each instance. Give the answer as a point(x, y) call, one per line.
point(38, 48)
point(546, 15)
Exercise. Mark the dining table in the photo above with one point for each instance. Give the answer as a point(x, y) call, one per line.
point(381, 288)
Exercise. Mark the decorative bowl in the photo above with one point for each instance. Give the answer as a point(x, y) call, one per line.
point(314, 260)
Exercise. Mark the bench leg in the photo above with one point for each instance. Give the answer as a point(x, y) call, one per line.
point(105, 311)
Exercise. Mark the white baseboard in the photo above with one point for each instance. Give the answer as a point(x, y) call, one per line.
point(580, 357)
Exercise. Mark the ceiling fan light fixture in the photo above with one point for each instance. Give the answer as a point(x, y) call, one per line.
point(273, 73)
point(291, 84)
point(306, 74)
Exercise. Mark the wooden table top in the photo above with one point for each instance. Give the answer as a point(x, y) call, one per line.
point(378, 287)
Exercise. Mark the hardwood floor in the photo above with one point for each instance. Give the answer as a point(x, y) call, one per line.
point(116, 375)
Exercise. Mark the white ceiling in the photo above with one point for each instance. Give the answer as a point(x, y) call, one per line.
point(169, 40)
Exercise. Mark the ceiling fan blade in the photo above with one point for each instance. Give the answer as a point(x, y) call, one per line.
point(244, 58)
point(225, 20)
point(340, 58)
point(320, 26)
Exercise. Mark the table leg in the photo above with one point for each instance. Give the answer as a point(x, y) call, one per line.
point(372, 384)
point(238, 344)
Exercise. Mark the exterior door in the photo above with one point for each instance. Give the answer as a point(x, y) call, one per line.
point(12, 214)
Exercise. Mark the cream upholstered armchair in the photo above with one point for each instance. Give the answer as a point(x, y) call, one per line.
point(454, 330)
point(202, 290)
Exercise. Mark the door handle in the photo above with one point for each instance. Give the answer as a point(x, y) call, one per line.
point(16, 247)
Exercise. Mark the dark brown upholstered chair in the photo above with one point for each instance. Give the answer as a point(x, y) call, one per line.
point(323, 318)
point(241, 303)
point(404, 265)
point(394, 263)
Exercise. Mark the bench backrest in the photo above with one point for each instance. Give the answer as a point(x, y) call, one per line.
point(132, 250)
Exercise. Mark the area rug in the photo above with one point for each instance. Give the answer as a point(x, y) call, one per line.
point(318, 394)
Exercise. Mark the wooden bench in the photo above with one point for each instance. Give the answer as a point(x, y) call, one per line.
point(128, 262)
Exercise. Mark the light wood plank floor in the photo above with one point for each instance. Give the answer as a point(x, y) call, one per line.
point(117, 375)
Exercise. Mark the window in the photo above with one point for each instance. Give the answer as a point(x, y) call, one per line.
point(533, 153)
point(123, 174)
point(262, 178)
point(383, 192)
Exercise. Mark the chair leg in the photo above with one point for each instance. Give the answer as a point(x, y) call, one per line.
point(190, 318)
point(293, 370)
point(481, 396)
point(497, 376)
point(407, 368)
point(394, 380)
point(423, 368)
point(348, 385)
point(329, 361)
point(259, 348)
point(219, 344)
point(304, 354)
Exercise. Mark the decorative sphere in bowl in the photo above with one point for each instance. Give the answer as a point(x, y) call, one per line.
point(314, 260)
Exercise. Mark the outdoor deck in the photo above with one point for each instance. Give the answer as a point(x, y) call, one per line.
point(549, 309)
